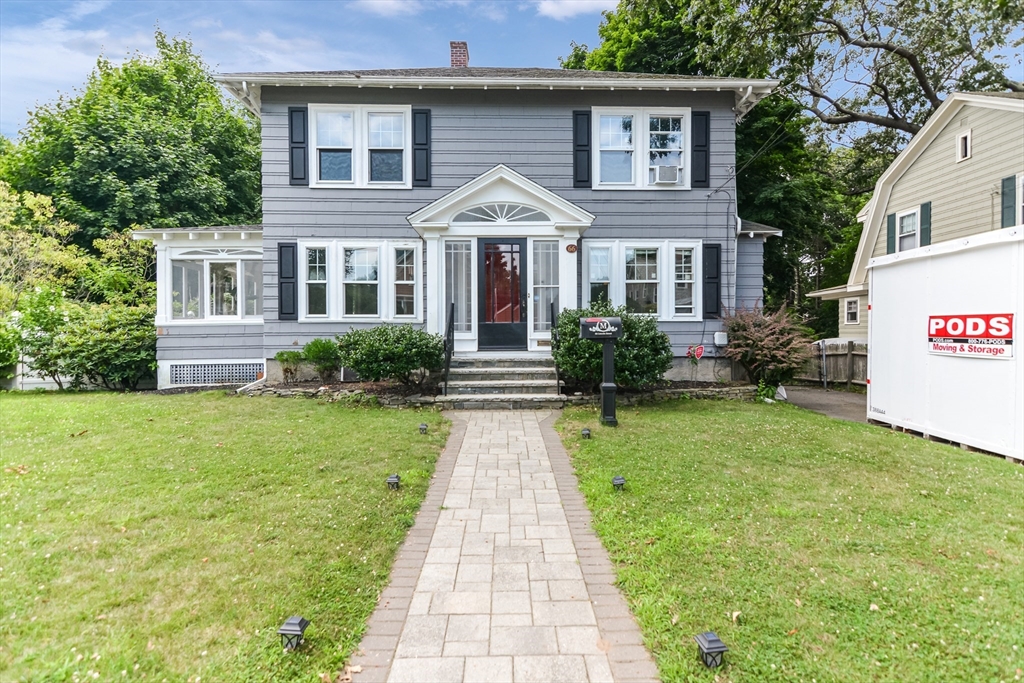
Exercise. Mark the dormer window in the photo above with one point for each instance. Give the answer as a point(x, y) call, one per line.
point(359, 146)
point(963, 146)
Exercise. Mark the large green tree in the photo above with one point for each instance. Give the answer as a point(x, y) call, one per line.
point(152, 141)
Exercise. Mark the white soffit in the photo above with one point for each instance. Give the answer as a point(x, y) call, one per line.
point(500, 185)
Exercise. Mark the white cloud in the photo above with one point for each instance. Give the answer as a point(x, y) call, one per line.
point(389, 8)
point(87, 7)
point(564, 9)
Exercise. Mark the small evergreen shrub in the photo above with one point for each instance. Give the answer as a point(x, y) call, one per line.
point(771, 347)
point(290, 362)
point(642, 355)
point(399, 352)
point(325, 357)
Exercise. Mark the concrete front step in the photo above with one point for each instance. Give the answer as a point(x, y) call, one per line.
point(531, 386)
point(499, 401)
point(506, 362)
point(501, 374)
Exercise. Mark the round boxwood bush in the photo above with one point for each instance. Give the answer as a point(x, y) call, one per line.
point(325, 356)
point(642, 355)
point(399, 352)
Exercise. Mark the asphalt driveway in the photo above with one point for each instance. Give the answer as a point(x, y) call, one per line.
point(843, 405)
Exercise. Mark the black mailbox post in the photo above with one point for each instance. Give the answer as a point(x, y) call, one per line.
point(606, 331)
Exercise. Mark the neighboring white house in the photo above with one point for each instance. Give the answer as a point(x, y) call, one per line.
point(961, 175)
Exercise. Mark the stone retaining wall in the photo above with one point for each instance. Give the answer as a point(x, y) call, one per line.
point(741, 393)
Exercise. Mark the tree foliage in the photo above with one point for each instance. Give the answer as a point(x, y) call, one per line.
point(151, 141)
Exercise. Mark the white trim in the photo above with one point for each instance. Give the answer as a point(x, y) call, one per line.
point(1020, 199)
point(877, 208)
point(916, 211)
point(978, 240)
point(666, 274)
point(641, 146)
point(846, 311)
point(360, 146)
point(960, 139)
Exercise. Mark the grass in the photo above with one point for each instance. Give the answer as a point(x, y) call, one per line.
point(150, 537)
point(818, 550)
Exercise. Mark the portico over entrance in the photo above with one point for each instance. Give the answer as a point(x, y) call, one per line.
point(502, 249)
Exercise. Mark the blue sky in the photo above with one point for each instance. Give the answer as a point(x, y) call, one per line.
point(49, 47)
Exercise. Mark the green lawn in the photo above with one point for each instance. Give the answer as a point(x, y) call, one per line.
point(169, 536)
point(850, 552)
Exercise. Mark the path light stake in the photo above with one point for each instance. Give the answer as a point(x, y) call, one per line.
point(585, 433)
point(710, 648)
point(423, 428)
point(618, 482)
point(291, 632)
point(393, 482)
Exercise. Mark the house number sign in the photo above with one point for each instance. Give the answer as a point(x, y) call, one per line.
point(571, 248)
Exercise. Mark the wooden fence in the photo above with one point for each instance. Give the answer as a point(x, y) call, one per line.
point(845, 362)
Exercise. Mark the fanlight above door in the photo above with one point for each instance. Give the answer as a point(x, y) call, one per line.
point(496, 213)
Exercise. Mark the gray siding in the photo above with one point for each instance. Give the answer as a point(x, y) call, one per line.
point(209, 342)
point(472, 131)
point(965, 195)
point(749, 272)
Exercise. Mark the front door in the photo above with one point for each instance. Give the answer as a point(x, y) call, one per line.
point(502, 294)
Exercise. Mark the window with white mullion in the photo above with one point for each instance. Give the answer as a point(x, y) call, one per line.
point(907, 230)
point(316, 281)
point(683, 281)
point(599, 273)
point(361, 283)
point(853, 311)
point(405, 282)
point(187, 290)
point(386, 145)
point(665, 149)
point(615, 149)
point(458, 284)
point(335, 142)
point(642, 280)
point(545, 283)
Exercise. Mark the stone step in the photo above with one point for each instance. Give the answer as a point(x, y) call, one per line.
point(499, 401)
point(541, 386)
point(504, 362)
point(501, 374)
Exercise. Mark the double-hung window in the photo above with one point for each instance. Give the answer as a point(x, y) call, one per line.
point(600, 273)
point(642, 280)
point(405, 282)
point(360, 146)
point(316, 281)
point(852, 311)
point(906, 226)
point(361, 283)
point(683, 281)
point(641, 148)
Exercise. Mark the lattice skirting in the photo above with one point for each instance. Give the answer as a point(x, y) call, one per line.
point(185, 374)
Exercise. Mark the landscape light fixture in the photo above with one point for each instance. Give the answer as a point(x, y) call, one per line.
point(393, 482)
point(710, 648)
point(585, 433)
point(618, 482)
point(291, 632)
point(423, 428)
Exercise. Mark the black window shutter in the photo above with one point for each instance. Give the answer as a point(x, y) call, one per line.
point(421, 148)
point(1008, 200)
point(926, 224)
point(700, 154)
point(712, 281)
point(287, 281)
point(890, 234)
point(581, 149)
point(298, 156)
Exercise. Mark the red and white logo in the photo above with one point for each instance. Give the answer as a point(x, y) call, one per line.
point(979, 336)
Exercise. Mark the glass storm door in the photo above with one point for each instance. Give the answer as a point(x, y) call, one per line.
point(502, 294)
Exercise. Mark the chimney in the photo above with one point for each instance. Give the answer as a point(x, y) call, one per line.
point(460, 54)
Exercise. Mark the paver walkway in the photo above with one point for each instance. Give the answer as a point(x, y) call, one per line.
point(501, 579)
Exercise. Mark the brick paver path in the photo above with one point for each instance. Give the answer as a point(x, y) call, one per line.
point(501, 579)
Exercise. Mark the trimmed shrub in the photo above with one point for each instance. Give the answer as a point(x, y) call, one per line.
point(399, 352)
point(325, 357)
point(771, 347)
point(642, 355)
point(110, 345)
point(290, 362)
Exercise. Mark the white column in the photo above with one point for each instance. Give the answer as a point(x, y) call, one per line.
point(434, 277)
point(568, 284)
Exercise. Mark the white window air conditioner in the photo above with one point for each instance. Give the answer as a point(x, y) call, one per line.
point(666, 175)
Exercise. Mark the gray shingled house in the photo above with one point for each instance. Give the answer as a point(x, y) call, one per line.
point(401, 195)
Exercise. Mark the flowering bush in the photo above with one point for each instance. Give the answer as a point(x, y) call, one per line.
point(771, 347)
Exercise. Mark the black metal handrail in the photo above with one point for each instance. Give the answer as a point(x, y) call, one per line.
point(449, 344)
point(554, 344)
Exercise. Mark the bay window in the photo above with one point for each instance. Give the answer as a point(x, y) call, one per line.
point(316, 281)
point(359, 146)
point(642, 280)
point(641, 148)
point(360, 280)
